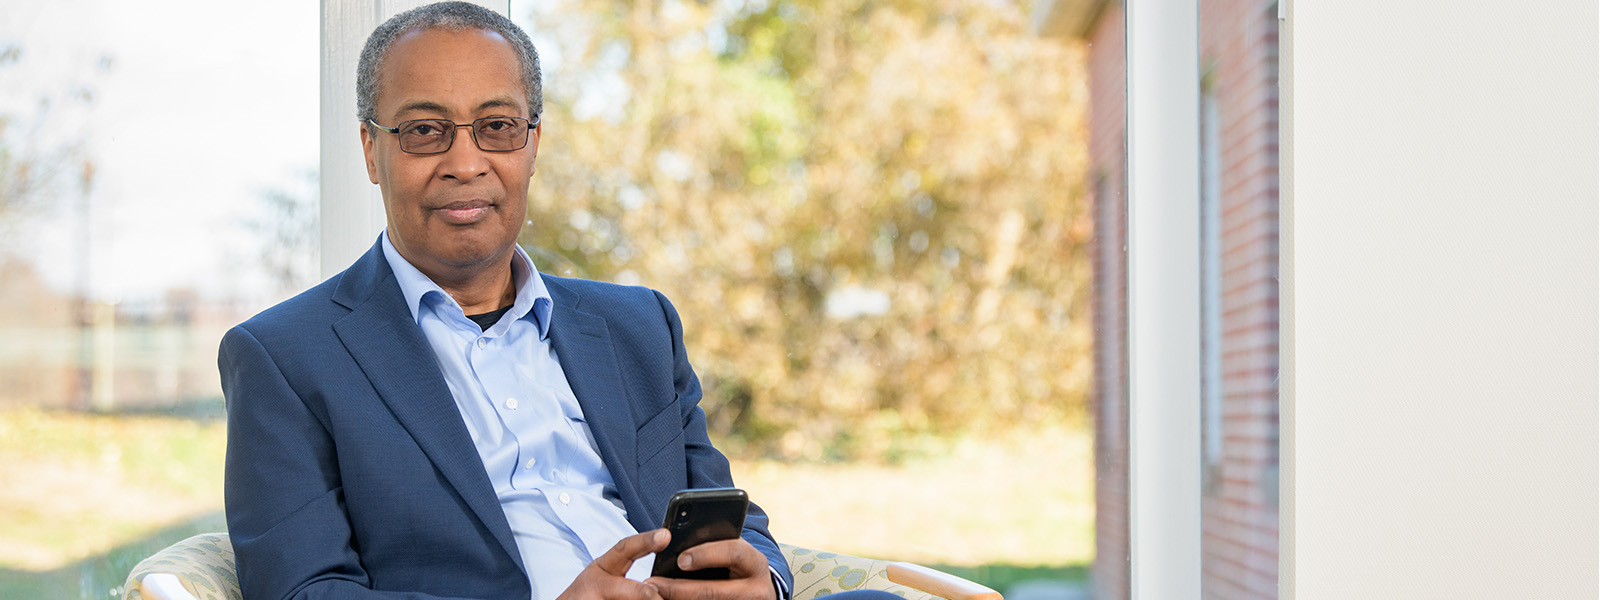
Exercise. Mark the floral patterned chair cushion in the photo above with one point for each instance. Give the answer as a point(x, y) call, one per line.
point(817, 574)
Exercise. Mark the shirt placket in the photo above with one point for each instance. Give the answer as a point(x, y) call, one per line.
point(536, 425)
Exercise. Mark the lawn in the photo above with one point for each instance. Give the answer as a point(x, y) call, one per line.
point(1024, 499)
point(89, 495)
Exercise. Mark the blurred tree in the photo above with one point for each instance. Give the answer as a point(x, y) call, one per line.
point(18, 177)
point(287, 229)
point(41, 149)
point(869, 213)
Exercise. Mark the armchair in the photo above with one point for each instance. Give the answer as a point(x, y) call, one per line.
point(201, 568)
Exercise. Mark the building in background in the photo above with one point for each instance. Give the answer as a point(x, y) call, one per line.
point(1239, 288)
point(59, 350)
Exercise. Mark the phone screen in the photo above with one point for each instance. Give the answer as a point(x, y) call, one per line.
point(695, 517)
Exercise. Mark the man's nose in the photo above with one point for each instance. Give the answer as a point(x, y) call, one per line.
point(464, 160)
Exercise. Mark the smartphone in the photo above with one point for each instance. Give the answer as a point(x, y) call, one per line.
point(695, 517)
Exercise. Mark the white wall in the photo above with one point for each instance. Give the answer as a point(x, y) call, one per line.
point(1439, 299)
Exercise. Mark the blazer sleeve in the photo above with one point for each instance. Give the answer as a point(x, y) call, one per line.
point(284, 503)
point(706, 466)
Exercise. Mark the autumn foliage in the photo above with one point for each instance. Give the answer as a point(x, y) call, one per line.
point(871, 215)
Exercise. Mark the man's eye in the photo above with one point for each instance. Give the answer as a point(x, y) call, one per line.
point(497, 125)
point(421, 129)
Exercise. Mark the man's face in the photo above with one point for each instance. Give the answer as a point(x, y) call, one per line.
point(457, 213)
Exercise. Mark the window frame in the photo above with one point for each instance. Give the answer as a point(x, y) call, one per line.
point(1163, 145)
point(1163, 424)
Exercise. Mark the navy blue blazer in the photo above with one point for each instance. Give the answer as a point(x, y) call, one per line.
point(350, 473)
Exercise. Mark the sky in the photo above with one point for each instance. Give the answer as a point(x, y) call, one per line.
point(204, 108)
point(200, 109)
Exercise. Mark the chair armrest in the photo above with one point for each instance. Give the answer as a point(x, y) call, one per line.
point(818, 574)
point(164, 586)
point(201, 568)
point(938, 583)
point(198, 568)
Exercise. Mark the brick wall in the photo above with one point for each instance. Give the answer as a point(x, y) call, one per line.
point(162, 352)
point(1108, 181)
point(1239, 59)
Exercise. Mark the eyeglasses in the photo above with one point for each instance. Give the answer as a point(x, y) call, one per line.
point(434, 136)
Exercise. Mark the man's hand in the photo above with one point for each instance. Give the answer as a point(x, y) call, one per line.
point(606, 577)
point(749, 578)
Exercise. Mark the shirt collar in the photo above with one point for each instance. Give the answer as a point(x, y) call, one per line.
point(533, 299)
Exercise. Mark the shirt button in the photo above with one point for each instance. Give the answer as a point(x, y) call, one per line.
point(483, 342)
point(565, 498)
point(531, 462)
point(511, 403)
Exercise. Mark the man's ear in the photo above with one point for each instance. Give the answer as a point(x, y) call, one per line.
point(367, 150)
point(533, 143)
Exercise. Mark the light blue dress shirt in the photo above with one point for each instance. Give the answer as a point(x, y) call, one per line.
point(558, 497)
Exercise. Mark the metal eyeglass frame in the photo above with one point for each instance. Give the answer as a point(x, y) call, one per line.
point(472, 131)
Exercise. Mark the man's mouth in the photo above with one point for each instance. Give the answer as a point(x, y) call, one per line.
point(464, 213)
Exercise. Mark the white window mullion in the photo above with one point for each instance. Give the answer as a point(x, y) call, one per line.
point(1164, 298)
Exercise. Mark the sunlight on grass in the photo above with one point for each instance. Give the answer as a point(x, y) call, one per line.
point(88, 495)
point(80, 484)
point(1022, 499)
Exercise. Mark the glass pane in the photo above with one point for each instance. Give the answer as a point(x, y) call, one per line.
point(156, 187)
point(894, 232)
point(1239, 298)
point(1107, 82)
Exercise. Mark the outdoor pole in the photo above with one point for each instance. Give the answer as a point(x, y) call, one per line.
point(83, 381)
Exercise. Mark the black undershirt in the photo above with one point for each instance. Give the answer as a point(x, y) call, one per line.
point(488, 319)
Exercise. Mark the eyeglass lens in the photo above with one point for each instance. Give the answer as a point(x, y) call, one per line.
point(493, 134)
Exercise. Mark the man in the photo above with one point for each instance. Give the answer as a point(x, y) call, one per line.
point(440, 420)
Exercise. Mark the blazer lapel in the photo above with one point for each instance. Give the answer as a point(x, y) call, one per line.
point(582, 343)
point(383, 338)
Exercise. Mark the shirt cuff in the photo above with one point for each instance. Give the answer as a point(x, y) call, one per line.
point(777, 582)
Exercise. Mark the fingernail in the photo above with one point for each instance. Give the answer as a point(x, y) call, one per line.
point(661, 536)
point(683, 561)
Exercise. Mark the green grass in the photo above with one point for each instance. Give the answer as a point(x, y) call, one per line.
point(1002, 576)
point(100, 576)
point(1025, 499)
point(89, 495)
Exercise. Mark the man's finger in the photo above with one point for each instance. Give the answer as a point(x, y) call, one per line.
point(593, 584)
point(620, 557)
point(746, 588)
point(742, 559)
point(685, 589)
point(628, 589)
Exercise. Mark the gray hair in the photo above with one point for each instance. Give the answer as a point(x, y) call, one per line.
point(452, 16)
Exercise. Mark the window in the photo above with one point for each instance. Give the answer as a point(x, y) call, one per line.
point(138, 220)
